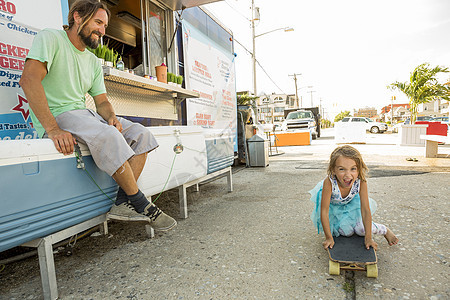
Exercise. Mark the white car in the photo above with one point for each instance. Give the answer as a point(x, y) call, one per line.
point(372, 126)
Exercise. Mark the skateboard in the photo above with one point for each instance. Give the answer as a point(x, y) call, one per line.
point(350, 253)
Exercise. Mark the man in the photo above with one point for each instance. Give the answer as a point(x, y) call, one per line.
point(58, 73)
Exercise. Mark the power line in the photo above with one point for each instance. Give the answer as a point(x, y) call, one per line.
point(249, 52)
point(269, 77)
point(237, 11)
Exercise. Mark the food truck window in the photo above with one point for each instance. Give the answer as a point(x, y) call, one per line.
point(126, 36)
point(157, 37)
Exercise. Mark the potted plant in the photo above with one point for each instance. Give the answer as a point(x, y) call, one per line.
point(423, 87)
point(179, 80)
point(106, 56)
point(171, 78)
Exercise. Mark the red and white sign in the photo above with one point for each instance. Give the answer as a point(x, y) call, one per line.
point(210, 72)
point(19, 23)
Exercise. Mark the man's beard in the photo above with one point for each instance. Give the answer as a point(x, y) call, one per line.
point(88, 40)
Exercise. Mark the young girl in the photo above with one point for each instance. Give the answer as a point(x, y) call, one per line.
point(342, 204)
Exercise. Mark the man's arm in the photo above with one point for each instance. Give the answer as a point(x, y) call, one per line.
point(105, 109)
point(31, 82)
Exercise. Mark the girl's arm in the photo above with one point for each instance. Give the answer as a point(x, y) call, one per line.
point(324, 210)
point(366, 216)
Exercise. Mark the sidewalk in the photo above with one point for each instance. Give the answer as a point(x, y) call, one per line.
point(258, 241)
point(380, 149)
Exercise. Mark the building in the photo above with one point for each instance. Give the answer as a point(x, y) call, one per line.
point(399, 112)
point(437, 108)
point(367, 112)
point(271, 108)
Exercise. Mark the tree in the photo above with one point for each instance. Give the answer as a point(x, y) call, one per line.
point(423, 87)
point(245, 99)
point(341, 115)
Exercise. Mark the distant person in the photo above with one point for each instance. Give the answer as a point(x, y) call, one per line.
point(58, 73)
point(342, 204)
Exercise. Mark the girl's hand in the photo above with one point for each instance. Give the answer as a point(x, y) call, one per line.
point(329, 242)
point(372, 244)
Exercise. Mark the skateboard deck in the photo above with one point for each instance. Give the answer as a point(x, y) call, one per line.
point(350, 253)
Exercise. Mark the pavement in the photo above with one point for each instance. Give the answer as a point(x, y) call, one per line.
point(258, 242)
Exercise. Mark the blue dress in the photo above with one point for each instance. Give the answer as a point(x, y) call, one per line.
point(344, 213)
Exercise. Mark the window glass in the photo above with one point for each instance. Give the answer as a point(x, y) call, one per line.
point(200, 20)
point(157, 37)
point(345, 119)
point(278, 99)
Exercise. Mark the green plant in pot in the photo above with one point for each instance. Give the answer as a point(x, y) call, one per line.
point(171, 78)
point(179, 80)
point(423, 87)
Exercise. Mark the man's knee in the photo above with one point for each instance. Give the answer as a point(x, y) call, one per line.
point(109, 136)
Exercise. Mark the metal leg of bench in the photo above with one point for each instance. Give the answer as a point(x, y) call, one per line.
point(197, 188)
point(183, 201)
point(431, 149)
point(47, 266)
point(104, 228)
point(230, 180)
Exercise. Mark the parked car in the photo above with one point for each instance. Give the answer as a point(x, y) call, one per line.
point(440, 119)
point(443, 120)
point(421, 118)
point(372, 126)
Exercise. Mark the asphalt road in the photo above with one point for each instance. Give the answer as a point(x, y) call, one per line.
point(258, 241)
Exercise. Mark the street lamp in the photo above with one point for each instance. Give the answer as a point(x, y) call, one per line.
point(255, 16)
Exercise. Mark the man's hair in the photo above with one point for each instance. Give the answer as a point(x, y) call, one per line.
point(348, 152)
point(86, 10)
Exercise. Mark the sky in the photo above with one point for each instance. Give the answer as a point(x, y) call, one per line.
point(347, 51)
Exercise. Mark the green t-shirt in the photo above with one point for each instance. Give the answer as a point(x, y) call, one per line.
point(70, 73)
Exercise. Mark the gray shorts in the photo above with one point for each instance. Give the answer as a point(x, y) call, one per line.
point(109, 148)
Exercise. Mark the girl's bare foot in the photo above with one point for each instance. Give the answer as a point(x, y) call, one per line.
point(391, 238)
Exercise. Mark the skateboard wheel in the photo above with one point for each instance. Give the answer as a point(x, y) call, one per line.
point(334, 268)
point(372, 271)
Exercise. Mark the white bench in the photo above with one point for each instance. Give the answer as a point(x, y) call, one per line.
point(431, 144)
point(182, 188)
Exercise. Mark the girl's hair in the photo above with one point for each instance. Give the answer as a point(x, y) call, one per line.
point(352, 153)
point(86, 10)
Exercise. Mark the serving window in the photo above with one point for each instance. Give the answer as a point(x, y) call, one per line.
point(133, 23)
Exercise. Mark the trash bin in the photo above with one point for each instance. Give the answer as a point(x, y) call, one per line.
point(258, 151)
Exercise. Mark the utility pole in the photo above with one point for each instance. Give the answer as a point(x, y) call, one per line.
point(254, 17)
point(296, 93)
point(311, 97)
point(392, 110)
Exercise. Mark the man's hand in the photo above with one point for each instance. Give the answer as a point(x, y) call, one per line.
point(114, 122)
point(63, 140)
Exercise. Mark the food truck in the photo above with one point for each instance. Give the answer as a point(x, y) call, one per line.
point(46, 196)
point(194, 120)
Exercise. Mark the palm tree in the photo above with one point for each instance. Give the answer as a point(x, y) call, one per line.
point(423, 87)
